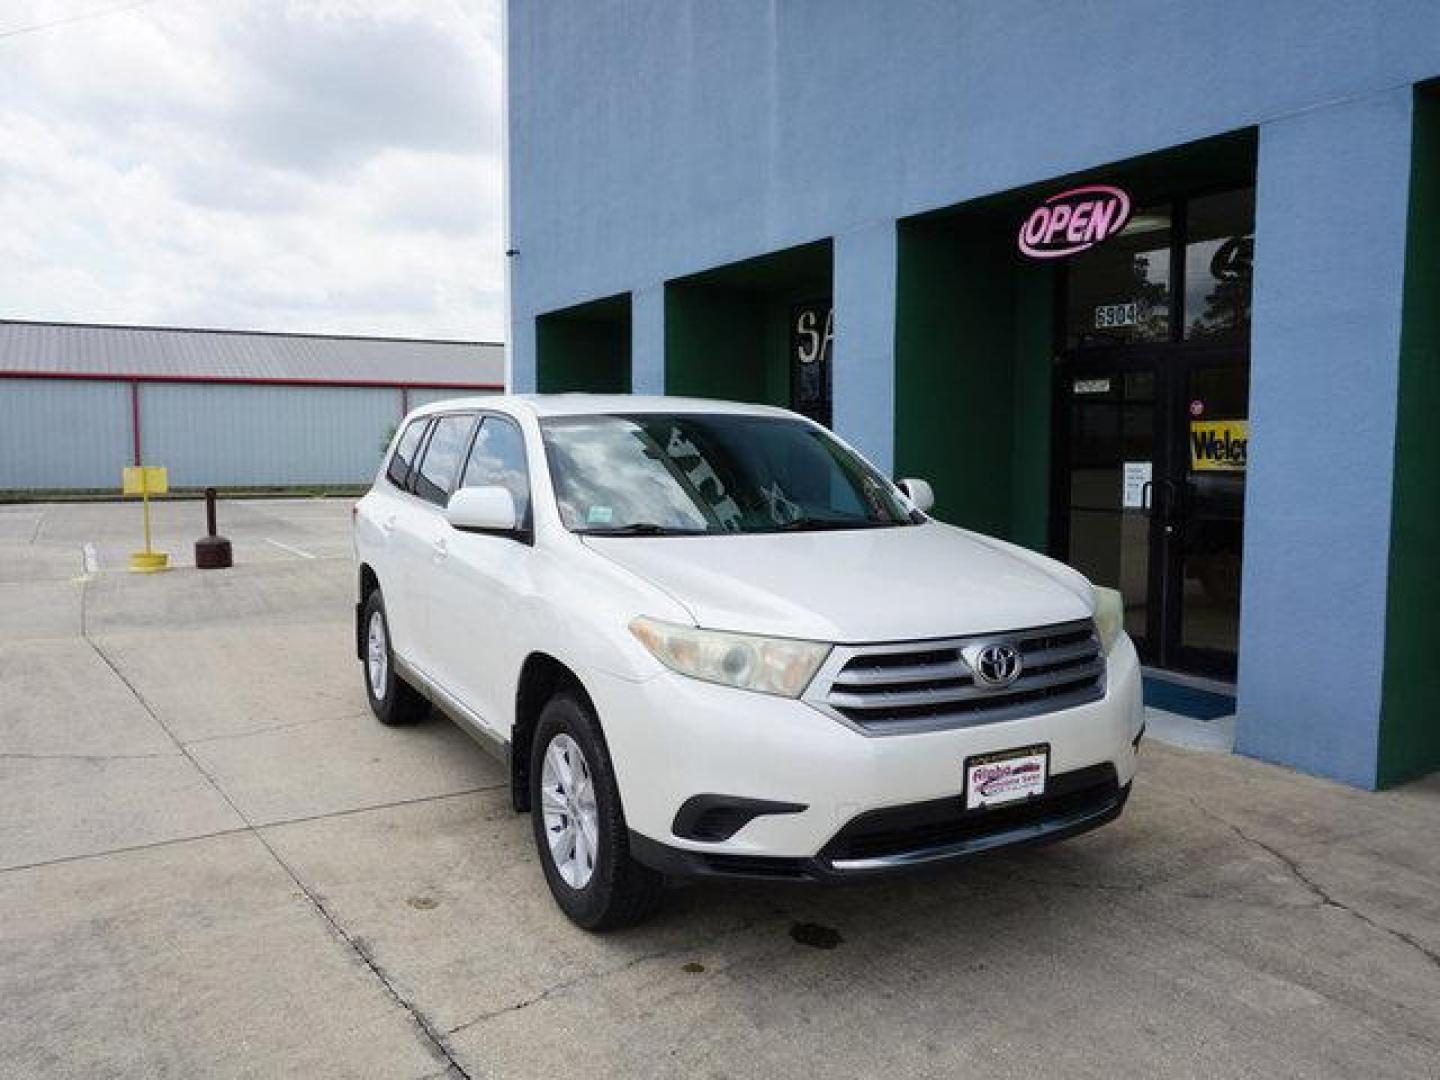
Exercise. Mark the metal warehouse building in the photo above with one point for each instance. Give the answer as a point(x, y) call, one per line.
point(1150, 285)
point(217, 407)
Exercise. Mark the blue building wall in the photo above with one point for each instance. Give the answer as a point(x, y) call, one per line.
point(652, 139)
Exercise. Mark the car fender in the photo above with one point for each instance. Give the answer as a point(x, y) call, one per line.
point(577, 610)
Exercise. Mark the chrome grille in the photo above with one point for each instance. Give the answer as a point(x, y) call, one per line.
point(928, 686)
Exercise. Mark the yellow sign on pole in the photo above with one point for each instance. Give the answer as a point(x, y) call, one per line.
point(147, 480)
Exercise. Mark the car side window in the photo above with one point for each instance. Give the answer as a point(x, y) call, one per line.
point(498, 459)
point(441, 463)
point(404, 456)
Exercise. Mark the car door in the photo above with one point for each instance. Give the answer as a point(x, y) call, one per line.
point(423, 534)
point(475, 603)
point(382, 541)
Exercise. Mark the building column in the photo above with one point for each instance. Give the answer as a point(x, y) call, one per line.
point(863, 360)
point(1330, 229)
point(647, 340)
point(520, 354)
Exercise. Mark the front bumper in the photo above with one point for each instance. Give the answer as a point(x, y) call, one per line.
point(935, 835)
point(867, 804)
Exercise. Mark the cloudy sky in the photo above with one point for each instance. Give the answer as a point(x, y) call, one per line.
point(314, 165)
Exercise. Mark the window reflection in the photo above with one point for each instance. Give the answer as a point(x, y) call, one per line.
point(1120, 290)
point(1219, 257)
point(405, 451)
point(442, 457)
point(664, 472)
point(498, 459)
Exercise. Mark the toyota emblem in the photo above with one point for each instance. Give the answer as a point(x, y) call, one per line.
point(997, 665)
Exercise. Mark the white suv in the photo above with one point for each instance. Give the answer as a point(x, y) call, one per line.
point(711, 639)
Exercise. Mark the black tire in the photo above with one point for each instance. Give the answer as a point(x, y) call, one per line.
point(620, 891)
point(400, 703)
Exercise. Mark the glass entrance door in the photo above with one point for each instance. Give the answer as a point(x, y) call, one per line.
point(1209, 515)
point(1149, 493)
point(1106, 481)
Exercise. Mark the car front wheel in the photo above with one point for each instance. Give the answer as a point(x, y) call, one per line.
point(579, 823)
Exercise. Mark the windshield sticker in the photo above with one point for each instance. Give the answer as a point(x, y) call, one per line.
point(702, 474)
point(782, 510)
point(599, 515)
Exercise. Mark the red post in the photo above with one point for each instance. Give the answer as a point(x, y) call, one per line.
point(135, 418)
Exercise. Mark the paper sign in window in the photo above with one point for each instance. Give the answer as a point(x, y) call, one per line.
point(1134, 494)
point(1219, 445)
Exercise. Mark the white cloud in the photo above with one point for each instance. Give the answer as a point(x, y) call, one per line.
point(279, 164)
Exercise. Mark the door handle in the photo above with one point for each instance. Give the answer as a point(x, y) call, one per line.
point(442, 549)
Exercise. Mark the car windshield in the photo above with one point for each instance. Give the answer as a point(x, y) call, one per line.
point(694, 473)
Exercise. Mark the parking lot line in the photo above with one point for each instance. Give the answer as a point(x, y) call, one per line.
point(292, 550)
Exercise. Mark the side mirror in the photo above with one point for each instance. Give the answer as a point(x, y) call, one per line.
point(919, 492)
point(482, 509)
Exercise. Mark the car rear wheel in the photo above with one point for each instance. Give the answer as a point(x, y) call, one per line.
point(579, 824)
point(392, 700)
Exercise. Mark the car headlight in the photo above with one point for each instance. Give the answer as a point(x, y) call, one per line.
point(1109, 616)
point(782, 666)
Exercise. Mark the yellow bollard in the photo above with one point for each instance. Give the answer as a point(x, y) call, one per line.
point(147, 480)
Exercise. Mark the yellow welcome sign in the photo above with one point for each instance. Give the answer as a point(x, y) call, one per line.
point(1219, 445)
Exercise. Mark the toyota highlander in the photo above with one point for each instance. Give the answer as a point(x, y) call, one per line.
point(712, 639)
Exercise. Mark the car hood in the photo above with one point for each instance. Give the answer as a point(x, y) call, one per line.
point(857, 585)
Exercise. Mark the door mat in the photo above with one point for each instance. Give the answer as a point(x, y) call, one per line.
point(1187, 701)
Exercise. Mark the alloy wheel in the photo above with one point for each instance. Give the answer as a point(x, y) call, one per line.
point(377, 655)
point(567, 803)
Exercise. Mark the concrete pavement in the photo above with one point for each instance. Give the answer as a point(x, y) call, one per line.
point(214, 862)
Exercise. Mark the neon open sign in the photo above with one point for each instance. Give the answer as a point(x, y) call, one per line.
point(1074, 221)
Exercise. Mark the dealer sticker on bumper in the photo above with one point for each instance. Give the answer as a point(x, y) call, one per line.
point(1006, 776)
